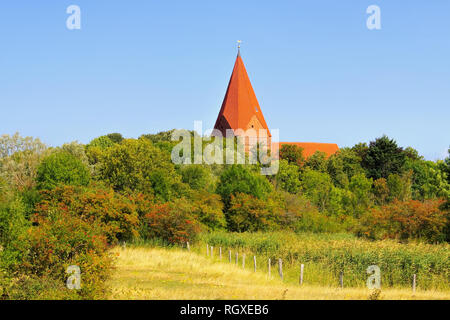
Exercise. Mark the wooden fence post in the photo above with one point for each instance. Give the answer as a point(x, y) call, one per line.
point(302, 267)
point(280, 268)
point(269, 268)
point(254, 263)
point(236, 262)
point(220, 253)
point(212, 251)
point(207, 250)
point(187, 246)
point(243, 261)
point(414, 283)
point(229, 256)
point(341, 279)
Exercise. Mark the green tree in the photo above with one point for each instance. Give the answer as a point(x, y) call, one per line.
point(399, 186)
point(198, 177)
point(293, 154)
point(361, 188)
point(316, 186)
point(343, 165)
point(384, 157)
point(62, 168)
point(287, 177)
point(136, 164)
point(240, 179)
point(318, 161)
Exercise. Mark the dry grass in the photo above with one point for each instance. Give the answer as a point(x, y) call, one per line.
point(154, 273)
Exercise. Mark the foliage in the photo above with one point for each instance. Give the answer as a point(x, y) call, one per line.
point(198, 177)
point(383, 158)
point(171, 221)
point(406, 220)
point(239, 179)
point(248, 213)
point(287, 177)
point(19, 159)
point(139, 166)
point(316, 186)
point(61, 168)
point(292, 154)
point(116, 214)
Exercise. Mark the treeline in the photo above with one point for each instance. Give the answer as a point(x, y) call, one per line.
point(67, 205)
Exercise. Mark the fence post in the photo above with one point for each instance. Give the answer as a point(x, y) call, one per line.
point(220, 253)
point(236, 262)
point(243, 261)
point(254, 263)
point(187, 246)
point(280, 268)
point(414, 283)
point(212, 251)
point(341, 279)
point(229, 256)
point(207, 249)
point(302, 267)
point(269, 268)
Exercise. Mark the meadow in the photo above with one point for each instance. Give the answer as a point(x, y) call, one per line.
point(325, 256)
point(146, 272)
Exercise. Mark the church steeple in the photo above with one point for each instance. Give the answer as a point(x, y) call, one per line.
point(240, 108)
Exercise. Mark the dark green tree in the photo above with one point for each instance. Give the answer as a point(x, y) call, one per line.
point(384, 157)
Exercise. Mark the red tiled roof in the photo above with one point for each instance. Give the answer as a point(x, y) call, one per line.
point(309, 148)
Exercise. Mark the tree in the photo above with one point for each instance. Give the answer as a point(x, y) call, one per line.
point(62, 168)
point(136, 164)
point(361, 188)
point(316, 186)
point(287, 177)
point(318, 161)
point(343, 165)
point(251, 214)
point(293, 154)
point(198, 177)
point(240, 179)
point(383, 158)
point(428, 179)
point(19, 159)
point(399, 186)
point(380, 191)
point(115, 137)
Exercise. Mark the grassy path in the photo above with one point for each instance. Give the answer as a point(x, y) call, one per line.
point(154, 273)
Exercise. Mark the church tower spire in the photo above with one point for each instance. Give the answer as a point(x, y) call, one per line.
point(240, 108)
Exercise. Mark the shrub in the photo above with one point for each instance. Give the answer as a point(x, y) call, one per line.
point(62, 239)
point(117, 214)
point(240, 179)
point(248, 213)
point(406, 220)
point(62, 168)
point(172, 222)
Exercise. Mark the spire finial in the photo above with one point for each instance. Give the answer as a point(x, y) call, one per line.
point(239, 46)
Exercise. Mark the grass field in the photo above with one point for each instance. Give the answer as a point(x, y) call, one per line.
point(161, 273)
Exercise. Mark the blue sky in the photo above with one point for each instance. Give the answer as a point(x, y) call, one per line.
point(146, 66)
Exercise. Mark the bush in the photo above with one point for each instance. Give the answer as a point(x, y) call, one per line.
point(240, 179)
point(172, 222)
point(248, 213)
point(406, 220)
point(117, 214)
point(44, 251)
point(62, 168)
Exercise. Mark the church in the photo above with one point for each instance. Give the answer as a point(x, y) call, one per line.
point(241, 111)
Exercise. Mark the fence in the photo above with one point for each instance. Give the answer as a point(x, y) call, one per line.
point(210, 252)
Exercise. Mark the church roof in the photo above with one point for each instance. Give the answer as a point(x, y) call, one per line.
point(240, 104)
point(309, 148)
